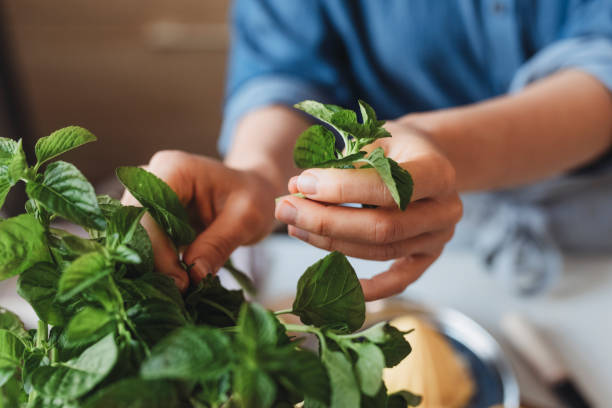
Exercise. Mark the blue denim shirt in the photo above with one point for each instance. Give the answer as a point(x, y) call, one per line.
point(405, 56)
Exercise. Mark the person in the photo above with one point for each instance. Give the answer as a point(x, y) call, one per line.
point(479, 96)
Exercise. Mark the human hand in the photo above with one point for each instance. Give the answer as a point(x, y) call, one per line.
point(235, 207)
point(414, 237)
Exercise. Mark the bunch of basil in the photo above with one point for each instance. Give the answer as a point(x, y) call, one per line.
point(122, 335)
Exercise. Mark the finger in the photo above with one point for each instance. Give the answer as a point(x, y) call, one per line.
point(402, 273)
point(432, 176)
point(164, 254)
point(428, 243)
point(214, 246)
point(292, 185)
point(366, 225)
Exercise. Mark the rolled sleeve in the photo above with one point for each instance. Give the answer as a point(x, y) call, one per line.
point(281, 52)
point(591, 54)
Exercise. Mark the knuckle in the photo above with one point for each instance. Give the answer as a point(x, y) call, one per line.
point(385, 230)
point(165, 156)
point(457, 208)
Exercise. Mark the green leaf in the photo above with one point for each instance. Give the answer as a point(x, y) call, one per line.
point(253, 387)
point(315, 145)
point(87, 326)
point(12, 349)
point(135, 393)
point(389, 339)
point(161, 202)
point(323, 112)
point(242, 278)
point(11, 322)
point(343, 163)
point(300, 371)
point(61, 141)
point(389, 171)
point(8, 148)
point(329, 294)
point(256, 327)
point(125, 254)
point(122, 225)
point(344, 388)
point(17, 165)
point(189, 353)
point(151, 285)
point(22, 244)
point(154, 319)
point(82, 273)
point(38, 285)
point(404, 399)
point(212, 304)
point(75, 378)
point(369, 367)
point(67, 193)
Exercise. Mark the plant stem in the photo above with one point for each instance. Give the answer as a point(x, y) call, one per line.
point(284, 311)
point(53, 355)
point(41, 333)
point(308, 329)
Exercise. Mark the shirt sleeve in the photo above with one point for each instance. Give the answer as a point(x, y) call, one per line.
point(585, 44)
point(282, 52)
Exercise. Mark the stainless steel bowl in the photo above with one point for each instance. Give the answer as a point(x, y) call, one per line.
point(490, 367)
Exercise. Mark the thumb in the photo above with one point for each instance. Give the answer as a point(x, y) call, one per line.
point(213, 247)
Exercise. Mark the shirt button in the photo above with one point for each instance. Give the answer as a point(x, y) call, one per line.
point(499, 7)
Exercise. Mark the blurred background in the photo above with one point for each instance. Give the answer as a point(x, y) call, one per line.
point(141, 75)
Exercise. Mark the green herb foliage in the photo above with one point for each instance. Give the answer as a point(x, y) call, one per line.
point(316, 146)
point(124, 336)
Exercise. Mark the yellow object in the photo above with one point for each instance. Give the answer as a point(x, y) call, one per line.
point(433, 370)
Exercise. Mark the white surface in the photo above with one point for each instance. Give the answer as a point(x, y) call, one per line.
point(574, 319)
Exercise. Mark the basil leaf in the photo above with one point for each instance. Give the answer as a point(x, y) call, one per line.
point(125, 254)
point(38, 286)
point(343, 163)
point(189, 353)
point(242, 278)
point(397, 180)
point(369, 367)
point(12, 349)
point(403, 399)
point(8, 148)
point(329, 294)
point(87, 326)
point(75, 378)
point(389, 339)
point(212, 304)
point(256, 327)
point(315, 145)
point(22, 244)
point(17, 165)
point(161, 202)
point(61, 141)
point(154, 318)
point(11, 322)
point(83, 273)
point(67, 193)
point(253, 387)
point(299, 371)
point(135, 393)
point(122, 225)
point(344, 388)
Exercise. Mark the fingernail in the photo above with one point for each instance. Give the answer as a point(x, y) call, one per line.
point(307, 184)
point(293, 183)
point(286, 212)
point(201, 268)
point(298, 233)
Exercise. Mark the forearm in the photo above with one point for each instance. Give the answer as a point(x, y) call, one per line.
point(263, 143)
point(552, 126)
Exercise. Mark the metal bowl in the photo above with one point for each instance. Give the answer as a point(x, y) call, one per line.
point(495, 381)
